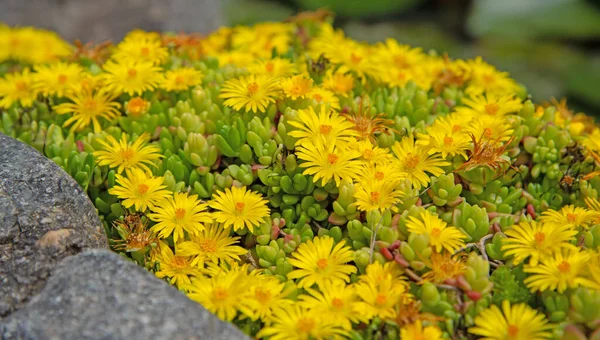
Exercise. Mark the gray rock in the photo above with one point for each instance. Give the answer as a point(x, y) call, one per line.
point(95, 20)
point(44, 217)
point(99, 295)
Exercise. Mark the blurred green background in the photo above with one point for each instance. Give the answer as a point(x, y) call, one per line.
point(551, 46)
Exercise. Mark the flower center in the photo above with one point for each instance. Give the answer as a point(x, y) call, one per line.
point(332, 158)
point(513, 331)
point(436, 232)
point(492, 108)
point(337, 303)
point(322, 264)
point(21, 86)
point(179, 80)
point(132, 73)
point(239, 206)
point(127, 154)
point(368, 154)
point(136, 106)
point(179, 213)
point(262, 295)
point(448, 141)
point(252, 88)
point(400, 61)
point(380, 300)
point(411, 161)
point(208, 246)
point(487, 132)
point(564, 267)
point(305, 325)
point(142, 189)
point(401, 75)
point(488, 79)
point(89, 104)
point(539, 237)
point(379, 175)
point(62, 78)
point(325, 129)
point(456, 128)
point(270, 67)
point(375, 196)
point(355, 58)
point(220, 294)
point(318, 97)
point(571, 217)
point(145, 51)
point(179, 262)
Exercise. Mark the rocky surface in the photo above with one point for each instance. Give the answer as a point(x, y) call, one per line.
point(99, 295)
point(44, 217)
point(94, 20)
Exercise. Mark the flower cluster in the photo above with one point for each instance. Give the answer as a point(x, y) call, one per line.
point(301, 184)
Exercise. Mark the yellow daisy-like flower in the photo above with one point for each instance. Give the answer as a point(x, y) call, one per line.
point(444, 267)
point(414, 161)
point(297, 86)
point(377, 195)
point(564, 270)
point(338, 82)
point(181, 79)
point(223, 294)
point(141, 48)
point(400, 56)
point(379, 300)
point(490, 128)
point(516, 322)
point(318, 261)
point(376, 273)
point(276, 67)
point(371, 154)
point(251, 93)
point(132, 77)
point(324, 97)
point(174, 266)
point(485, 78)
point(17, 88)
point(139, 189)
point(269, 295)
point(239, 207)
point(445, 142)
point(327, 163)
point(212, 244)
point(418, 331)
point(326, 127)
point(136, 107)
point(441, 236)
point(178, 213)
point(537, 240)
point(57, 79)
point(124, 155)
point(337, 301)
point(87, 105)
point(297, 323)
point(492, 105)
point(570, 215)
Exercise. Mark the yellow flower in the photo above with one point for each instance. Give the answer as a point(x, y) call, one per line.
point(338, 82)
point(372, 154)
point(486, 78)
point(87, 106)
point(57, 79)
point(212, 244)
point(324, 97)
point(570, 215)
point(297, 86)
point(124, 155)
point(269, 295)
point(376, 273)
point(444, 267)
point(490, 128)
point(395, 55)
point(414, 161)
point(239, 207)
point(441, 139)
point(141, 48)
point(516, 322)
point(132, 77)
point(440, 234)
point(139, 189)
point(379, 300)
point(223, 294)
point(318, 261)
point(178, 213)
point(416, 331)
point(297, 323)
point(491, 105)
point(327, 163)
point(377, 195)
point(17, 88)
point(181, 79)
point(337, 301)
point(174, 266)
point(136, 106)
point(249, 93)
point(276, 67)
point(537, 240)
point(564, 270)
point(326, 126)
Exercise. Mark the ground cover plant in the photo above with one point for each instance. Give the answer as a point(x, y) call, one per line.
point(300, 184)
